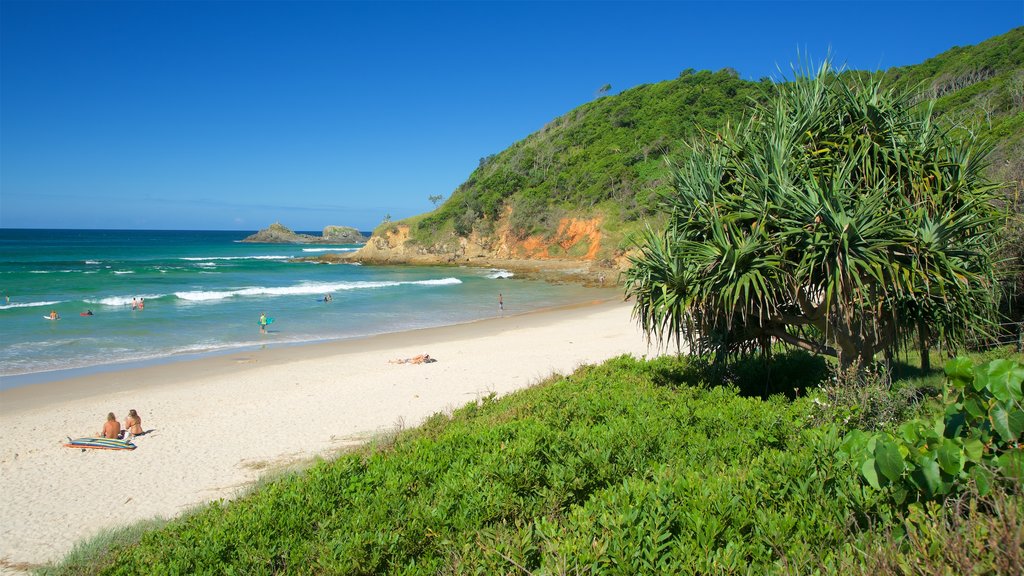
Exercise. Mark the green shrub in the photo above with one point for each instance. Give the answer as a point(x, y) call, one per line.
point(979, 432)
point(631, 467)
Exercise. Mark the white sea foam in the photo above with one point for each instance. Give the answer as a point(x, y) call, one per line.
point(30, 304)
point(123, 300)
point(499, 273)
point(93, 262)
point(329, 249)
point(308, 288)
point(124, 272)
point(202, 295)
point(205, 258)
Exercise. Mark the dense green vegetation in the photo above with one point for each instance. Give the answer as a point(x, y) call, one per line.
point(608, 157)
point(839, 219)
point(979, 88)
point(631, 467)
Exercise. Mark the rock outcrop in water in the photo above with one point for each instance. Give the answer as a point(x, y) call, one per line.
point(276, 233)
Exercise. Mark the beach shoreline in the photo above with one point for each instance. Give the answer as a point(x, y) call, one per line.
point(221, 421)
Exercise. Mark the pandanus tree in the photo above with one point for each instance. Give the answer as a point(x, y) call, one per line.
point(837, 219)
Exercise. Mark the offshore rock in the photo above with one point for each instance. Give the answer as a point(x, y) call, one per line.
point(279, 234)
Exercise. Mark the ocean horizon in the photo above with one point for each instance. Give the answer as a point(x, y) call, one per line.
point(204, 291)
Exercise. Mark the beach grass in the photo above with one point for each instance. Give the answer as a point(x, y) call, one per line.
point(629, 467)
point(98, 553)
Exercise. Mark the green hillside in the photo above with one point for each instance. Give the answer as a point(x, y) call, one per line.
point(607, 158)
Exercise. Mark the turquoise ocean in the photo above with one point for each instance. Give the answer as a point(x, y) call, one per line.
point(204, 292)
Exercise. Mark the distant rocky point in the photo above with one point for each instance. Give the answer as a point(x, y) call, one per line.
point(278, 234)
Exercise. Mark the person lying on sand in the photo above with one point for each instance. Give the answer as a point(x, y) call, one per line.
point(420, 359)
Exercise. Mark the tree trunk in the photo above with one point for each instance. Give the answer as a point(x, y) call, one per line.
point(924, 340)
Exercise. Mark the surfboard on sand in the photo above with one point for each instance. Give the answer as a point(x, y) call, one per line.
point(99, 443)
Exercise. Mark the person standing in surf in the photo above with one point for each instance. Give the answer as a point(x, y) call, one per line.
point(263, 322)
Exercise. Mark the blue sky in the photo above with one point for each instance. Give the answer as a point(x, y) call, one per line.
point(232, 115)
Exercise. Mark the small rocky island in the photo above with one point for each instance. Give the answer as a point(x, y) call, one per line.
point(278, 234)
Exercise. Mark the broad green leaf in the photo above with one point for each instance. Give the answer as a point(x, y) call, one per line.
point(974, 450)
point(889, 460)
point(974, 408)
point(928, 477)
point(870, 473)
point(1001, 423)
point(854, 444)
point(1011, 463)
point(908, 431)
point(954, 425)
point(982, 479)
point(950, 457)
point(1016, 422)
point(1003, 378)
point(960, 371)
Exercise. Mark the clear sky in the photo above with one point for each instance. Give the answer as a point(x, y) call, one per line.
point(232, 115)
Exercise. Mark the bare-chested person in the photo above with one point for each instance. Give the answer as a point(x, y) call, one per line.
point(111, 428)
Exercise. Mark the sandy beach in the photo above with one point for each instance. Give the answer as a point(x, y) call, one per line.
point(220, 422)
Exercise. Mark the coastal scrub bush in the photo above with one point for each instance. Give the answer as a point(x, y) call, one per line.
point(977, 437)
point(630, 467)
point(865, 399)
point(838, 219)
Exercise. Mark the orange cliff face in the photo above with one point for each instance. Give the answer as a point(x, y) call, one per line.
point(576, 243)
point(572, 232)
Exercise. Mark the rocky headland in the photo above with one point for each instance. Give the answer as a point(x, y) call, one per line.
point(571, 255)
point(279, 234)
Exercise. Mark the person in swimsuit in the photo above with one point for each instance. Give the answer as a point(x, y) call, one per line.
point(263, 322)
point(111, 428)
point(54, 315)
point(419, 359)
point(132, 423)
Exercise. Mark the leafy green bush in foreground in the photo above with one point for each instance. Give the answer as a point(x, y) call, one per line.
point(979, 433)
point(625, 468)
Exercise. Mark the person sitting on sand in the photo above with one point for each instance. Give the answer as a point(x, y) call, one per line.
point(132, 423)
point(420, 359)
point(111, 428)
